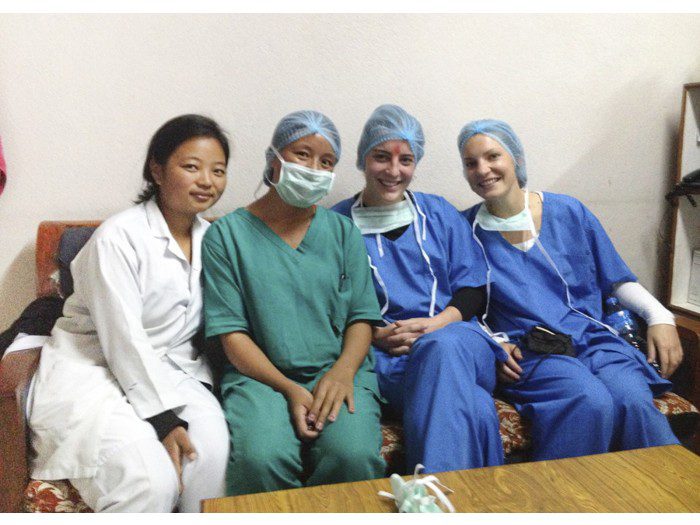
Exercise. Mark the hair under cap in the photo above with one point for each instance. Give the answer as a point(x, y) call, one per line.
point(502, 133)
point(298, 125)
point(390, 122)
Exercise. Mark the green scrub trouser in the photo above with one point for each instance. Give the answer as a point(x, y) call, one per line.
point(267, 455)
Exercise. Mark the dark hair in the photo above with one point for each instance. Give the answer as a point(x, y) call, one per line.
point(169, 137)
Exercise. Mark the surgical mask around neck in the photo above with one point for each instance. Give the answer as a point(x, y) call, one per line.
point(382, 219)
point(301, 186)
point(420, 235)
point(521, 221)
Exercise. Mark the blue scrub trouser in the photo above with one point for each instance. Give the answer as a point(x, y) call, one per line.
point(601, 400)
point(443, 390)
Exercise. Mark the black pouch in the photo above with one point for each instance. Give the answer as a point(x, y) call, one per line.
point(543, 340)
point(546, 342)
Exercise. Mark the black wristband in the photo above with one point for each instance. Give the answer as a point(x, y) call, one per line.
point(165, 422)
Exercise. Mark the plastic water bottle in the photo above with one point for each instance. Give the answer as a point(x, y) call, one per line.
point(622, 321)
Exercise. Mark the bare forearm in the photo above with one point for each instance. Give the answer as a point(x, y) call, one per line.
point(251, 361)
point(355, 347)
point(447, 316)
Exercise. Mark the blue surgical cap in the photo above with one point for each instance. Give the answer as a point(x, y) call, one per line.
point(504, 135)
point(390, 122)
point(298, 125)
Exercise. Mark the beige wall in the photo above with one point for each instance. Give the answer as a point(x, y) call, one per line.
point(595, 99)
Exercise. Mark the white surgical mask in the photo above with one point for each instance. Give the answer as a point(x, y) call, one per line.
point(521, 221)
point(301, 186)
point(413, 495)
point(382, 219)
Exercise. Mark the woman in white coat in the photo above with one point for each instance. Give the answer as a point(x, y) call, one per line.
point(122, 402)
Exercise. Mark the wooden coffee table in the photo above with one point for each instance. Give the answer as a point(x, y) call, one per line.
point(659, 479)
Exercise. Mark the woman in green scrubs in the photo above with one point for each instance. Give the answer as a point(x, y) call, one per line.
point(289, 293)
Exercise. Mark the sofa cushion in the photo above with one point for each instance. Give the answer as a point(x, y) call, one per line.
point(392, 447)
point(514, 431)
point(60, 496)
point(53, 496)
point(72, 241)
point(671, 404)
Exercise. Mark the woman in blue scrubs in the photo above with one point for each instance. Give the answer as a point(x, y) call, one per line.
point(551, 265)
point(435, 364)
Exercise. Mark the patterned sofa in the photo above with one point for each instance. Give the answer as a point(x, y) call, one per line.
point(20, 494)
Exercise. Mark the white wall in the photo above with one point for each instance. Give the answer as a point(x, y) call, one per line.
point(595, 99)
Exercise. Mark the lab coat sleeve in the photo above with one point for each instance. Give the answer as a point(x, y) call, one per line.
point(224, 307)
point(363, 304)
point(111, 291)
point(465, 259)
point(610, 268)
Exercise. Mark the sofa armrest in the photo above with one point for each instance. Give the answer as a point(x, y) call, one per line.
point(687, 377)
point(16, 371)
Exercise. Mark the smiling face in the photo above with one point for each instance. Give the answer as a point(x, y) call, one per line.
point(389, 169)
point(489, 168)
point(193, 178)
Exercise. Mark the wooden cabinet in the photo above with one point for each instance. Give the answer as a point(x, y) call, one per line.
point(685, 218)
point(685, 240)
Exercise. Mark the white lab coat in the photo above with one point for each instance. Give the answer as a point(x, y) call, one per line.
point(136, 306)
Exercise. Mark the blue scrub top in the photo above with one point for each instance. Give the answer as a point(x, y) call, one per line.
point(455, 257)
point(526, 290)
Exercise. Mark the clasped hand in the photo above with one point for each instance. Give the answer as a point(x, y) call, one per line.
point(311, 410)
point(398, 337)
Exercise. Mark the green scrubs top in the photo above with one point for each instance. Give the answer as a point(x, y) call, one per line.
point(294, 303)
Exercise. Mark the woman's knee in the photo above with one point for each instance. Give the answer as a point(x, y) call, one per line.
point(456, 338)
point(631, 393)
point(261, 461)
point(211, 440)
point(484, 406)
point(426, 344)
point(444, 346)
point(634, 404)
point(358, 459)
point(140, 477)
point(596, 401)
